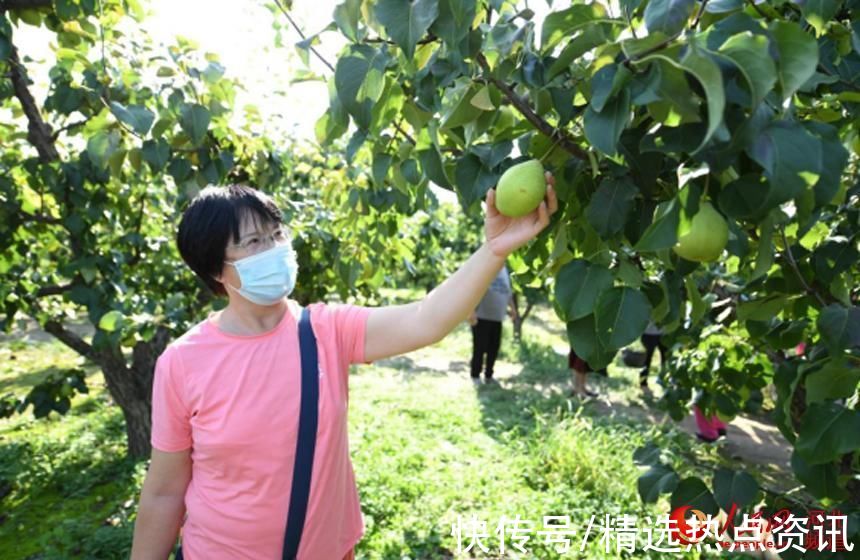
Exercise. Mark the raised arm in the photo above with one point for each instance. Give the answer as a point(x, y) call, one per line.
point(398, 329)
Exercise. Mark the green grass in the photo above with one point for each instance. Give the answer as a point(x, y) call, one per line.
point(427, 447)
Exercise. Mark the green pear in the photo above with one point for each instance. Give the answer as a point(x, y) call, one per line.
point(521, 189)
point(707, 237)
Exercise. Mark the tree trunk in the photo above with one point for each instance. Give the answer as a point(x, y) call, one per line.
point(131, 389)
point(125, 385)
point(138, 426)
point(521, 318)
point(518, 320)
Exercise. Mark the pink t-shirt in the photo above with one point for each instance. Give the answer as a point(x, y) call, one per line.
point(234, 401)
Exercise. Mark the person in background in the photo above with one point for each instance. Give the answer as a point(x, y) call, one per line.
point(486, 323)
point(709, 429)
point(651, 340)
point(579, 369)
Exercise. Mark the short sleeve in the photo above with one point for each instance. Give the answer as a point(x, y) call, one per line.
point(351, 326)
point(171, 420)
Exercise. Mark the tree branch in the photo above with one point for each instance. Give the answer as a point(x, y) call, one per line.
point(302, 35)
point(135, 258)
point(700, 14)
point(52, 290)
point(61, 130)
point(24, 4)
point(39, 133)
point(431, 38)
point(404, 133)
point(793, 263)
point(523, 107)
point(666, 42)
point(70, 339)
point(757, 9)
point(42, 219)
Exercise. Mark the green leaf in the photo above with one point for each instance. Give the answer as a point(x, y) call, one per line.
point(630, 6)
point(431, 163)
point(304, 46)
point(834, 158)
point(659, 479)
point(763, 308)
point(668, 16)
point(563, 23)
point(578, 285)
point(821, 480)
point(179, 169)
point(750, 54)
point(473, 179)
point(409, 169)
point(663, 231)
point(698, 306)
point(839, 327)
point(764, 257)
point(819, 12)
point(609, 206)
point(603, 128)
point(798, 56)
point(583, 339)
point(693, 492)
point(622, 315)
point(111, 321)
point(406, 21)
point(698, 63)
point(457, 107)
point(827, 431)
point(454, 21)
point(194, 120)
point(101, 146)
point(138, 117)
point(836, 380)
point(790, 157)
point(381, 164)
point(674, 89)
point(590, 37)
point(632, 48)
point(708, 73)
point(602, 86)
point(347, 14)
point(66, 10)
point(334, 122)
point(350, 73)
point(647, 455)
point(733, 487)
point(745, 197)
point(855, 36)
point(156, 153)
point(482, 100)
point(5, 47)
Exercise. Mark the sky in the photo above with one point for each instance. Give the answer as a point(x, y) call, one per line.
point(241, 33)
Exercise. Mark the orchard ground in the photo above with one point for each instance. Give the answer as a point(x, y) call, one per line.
point(427, 446)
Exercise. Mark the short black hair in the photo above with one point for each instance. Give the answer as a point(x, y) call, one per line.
point(212, 218)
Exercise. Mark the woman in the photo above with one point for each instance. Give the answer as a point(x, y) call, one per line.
point(486, 323)
point(225, 394)
point(579, 369)
point(652, 339)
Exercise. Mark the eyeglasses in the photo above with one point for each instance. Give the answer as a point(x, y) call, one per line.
point(255, 243)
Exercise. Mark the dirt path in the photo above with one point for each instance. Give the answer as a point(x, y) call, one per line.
point(750, 441)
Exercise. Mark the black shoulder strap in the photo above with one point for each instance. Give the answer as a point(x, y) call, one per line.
point(307, 438)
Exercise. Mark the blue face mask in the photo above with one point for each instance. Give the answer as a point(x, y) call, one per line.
point(267, 277)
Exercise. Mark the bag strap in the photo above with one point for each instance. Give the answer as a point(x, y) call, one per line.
point(307, 438)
